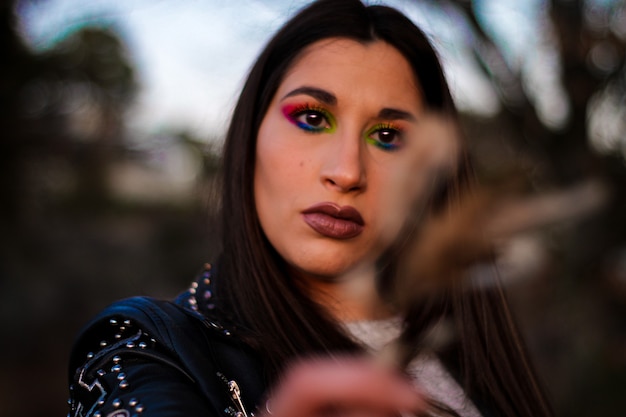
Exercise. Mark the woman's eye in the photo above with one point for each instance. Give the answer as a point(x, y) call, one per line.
point(312, 120)
point(385, 137)
point(309, 118)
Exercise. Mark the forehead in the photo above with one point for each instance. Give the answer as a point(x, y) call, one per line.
point(351, 68)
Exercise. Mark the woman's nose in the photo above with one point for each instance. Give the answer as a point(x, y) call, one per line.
point(343, 167)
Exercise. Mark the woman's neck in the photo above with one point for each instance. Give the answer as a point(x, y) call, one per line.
point(350, 297)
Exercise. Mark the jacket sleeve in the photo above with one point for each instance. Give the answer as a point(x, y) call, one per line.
point(122, 366)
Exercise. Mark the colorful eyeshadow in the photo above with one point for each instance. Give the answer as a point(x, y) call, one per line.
point(295, 112)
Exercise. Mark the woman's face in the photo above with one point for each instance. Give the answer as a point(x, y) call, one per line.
point(330, 156)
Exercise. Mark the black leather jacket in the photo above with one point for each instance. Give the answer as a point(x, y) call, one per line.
point(146, 357)
point(151, 358)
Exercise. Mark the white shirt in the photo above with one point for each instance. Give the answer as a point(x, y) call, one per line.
point(426, 369)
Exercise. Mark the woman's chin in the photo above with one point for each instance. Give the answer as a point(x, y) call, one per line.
point(332, 271)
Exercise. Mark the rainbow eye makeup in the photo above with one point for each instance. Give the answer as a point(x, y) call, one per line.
point(311, 118)
point(385, 136)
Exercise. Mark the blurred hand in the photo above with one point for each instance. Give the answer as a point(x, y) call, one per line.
point(343, 387)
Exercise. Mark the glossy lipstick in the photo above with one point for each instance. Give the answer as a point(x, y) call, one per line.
point(333, 221)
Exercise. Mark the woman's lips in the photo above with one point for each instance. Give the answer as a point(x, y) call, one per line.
point(331, 220)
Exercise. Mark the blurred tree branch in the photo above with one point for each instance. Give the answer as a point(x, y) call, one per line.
point(588, 270)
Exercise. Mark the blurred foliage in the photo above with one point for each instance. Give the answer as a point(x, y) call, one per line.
point(69, 244)
point(66, 104)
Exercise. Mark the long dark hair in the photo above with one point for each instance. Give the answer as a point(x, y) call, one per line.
point(253, 288)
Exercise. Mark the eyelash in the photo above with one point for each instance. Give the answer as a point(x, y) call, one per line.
point(387, 146)
point(294, 112)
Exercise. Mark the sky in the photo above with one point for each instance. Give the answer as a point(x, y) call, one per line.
point(192, 56)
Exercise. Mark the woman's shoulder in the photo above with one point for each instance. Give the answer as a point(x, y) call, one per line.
point(143, 352)
point(140, 324)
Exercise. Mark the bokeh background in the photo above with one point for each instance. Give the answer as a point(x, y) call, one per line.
point(112, 115)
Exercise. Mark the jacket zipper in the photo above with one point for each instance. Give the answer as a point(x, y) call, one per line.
point(235, 395)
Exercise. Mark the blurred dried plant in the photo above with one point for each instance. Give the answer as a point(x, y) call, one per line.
point(449, 244)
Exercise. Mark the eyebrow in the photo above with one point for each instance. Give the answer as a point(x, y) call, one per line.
point(317, 93)
point(395, 114)
point(330, 99)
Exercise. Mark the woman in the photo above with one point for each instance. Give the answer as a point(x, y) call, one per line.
point(326, 128)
